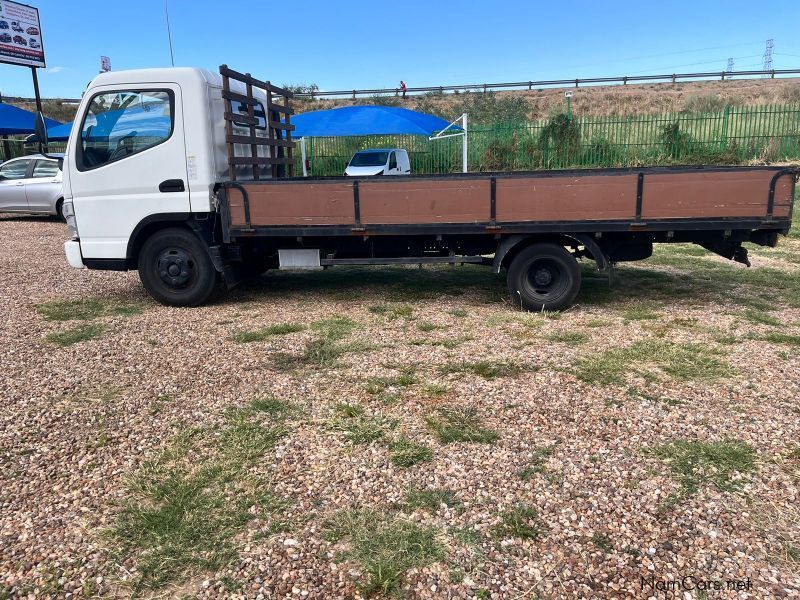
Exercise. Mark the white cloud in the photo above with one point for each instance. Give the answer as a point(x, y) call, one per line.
point(54, 70)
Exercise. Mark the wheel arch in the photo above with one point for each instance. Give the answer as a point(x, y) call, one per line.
point(512, 245)
point(147, 227)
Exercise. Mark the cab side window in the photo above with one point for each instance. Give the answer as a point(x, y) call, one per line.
point(45, 168)
point(123, 123)
point(15, 169)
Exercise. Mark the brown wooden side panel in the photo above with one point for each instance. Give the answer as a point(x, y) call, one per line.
point(706, 195)
point(295, 204)
point(433, 201)
point(587, 198)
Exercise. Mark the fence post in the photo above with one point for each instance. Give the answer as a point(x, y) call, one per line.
point(725, 117)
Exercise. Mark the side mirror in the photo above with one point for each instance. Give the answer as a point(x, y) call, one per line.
point(40, 129)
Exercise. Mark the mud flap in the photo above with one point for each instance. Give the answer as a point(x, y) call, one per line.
point(728, 249)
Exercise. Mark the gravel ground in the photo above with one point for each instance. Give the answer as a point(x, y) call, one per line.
point(606, 512)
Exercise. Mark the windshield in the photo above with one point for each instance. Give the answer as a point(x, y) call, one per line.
point(369, 159)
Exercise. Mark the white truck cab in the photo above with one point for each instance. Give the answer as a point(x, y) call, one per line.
point(148, 146)
point(383, 161)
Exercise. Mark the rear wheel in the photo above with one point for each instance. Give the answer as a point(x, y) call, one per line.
point(544, 277)
point(60, 210)
point(175, 268)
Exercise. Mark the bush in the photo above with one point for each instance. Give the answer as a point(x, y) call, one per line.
point(560, 141)
point(708, 103)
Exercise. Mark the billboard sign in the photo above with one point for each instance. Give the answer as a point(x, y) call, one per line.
point(20, 35)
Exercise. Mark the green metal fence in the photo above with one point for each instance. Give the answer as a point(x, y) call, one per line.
point(17, 147)
point(732, 136)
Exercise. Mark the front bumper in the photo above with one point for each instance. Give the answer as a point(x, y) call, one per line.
point(72, 248)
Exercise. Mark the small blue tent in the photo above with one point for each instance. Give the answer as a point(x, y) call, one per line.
point(366, 120)
point(15, 121)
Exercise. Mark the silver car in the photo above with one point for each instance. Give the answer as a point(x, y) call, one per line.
point(31, 184)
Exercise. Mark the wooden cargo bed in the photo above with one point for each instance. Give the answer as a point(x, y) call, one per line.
point(654, 199)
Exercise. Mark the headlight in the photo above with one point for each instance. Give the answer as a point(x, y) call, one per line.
point(69, 216)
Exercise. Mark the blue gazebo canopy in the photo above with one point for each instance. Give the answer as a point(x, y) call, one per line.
point(59, 133)
point(15, 120)
point(366, 120)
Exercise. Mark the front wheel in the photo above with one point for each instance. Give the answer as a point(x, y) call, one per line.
point(544, 277)
point(175, 268)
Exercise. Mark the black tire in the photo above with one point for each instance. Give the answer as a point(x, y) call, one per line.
point(544, 277)
point(175, 268)
point(60, 210)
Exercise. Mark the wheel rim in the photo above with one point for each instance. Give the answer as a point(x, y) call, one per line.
point(546, 279)
point(176, 268)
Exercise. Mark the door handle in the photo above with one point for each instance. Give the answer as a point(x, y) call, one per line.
point(171, 185)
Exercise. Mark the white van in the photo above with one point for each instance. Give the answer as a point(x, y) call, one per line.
point(379, 161)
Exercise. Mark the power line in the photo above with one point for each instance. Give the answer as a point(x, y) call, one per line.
point(707, 62)
point(659, 55)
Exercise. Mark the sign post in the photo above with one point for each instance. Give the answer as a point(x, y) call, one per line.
point(21, 41)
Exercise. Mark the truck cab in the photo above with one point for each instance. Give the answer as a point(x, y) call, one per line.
point(384, 161)
point(147, 146)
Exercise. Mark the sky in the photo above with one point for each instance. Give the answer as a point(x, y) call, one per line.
point(375, 44)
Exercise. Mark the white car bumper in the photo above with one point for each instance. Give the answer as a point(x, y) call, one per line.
point(72, 248)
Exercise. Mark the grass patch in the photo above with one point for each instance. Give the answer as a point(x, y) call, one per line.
point(405, 452)
point(647, 358)
point(378, 385)
point(244, 337)
point(595, 323)
point(536, 463)
point(761, 317)
point(603, 542)
point(86, 310)
point(488, 369)
point(460, 424)
point(448, 343)
point(571, 338)
point(274, 407)
point(426, 326)
point(325, 350)
point(520, 522)
point(384, 547)
point(430, 499)
point(639, 312)
point(357, 426)
point(81, 333)
point(695, 464)
point(435, 389)
point(777, 338)
point(335, 328)
point(459, 313)
point(184, 508)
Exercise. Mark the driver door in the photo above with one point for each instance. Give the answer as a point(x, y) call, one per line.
point(127, 162)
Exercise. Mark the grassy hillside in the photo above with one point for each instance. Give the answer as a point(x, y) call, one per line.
point(639, 99)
